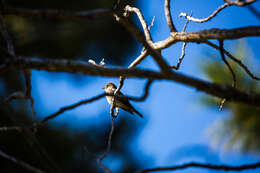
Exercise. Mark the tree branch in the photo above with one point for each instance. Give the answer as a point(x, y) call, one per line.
point(183, 47)
point(254, 11)
point(70, 107)
point(100, 158)
point(21, 163)
point(220, 8)
point(28, 85)
point(204, 35)
point(229, 68)
point(201, 165)
point(142, 39)
point(84, 68)
point(239, 62)
point(9, 43)
point(59, 14)
point(167, 12)
point(39, 152)
point(227, 63)
point(142, 21)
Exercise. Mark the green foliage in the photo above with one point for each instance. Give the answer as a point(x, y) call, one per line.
point(242, 127)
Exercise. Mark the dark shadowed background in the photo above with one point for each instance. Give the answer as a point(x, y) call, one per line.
point(179, 125)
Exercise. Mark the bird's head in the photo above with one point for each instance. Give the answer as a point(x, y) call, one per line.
point(109, 87)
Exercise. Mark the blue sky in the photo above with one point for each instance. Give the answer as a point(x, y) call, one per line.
point(175, 121)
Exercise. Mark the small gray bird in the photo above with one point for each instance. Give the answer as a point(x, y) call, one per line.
point(119, 102)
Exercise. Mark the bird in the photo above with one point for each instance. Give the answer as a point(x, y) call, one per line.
point(122, 103)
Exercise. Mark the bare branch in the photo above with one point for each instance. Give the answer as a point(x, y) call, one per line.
point(254, 11)
point(227, 63)
point(59, 14)
point(38, 151)
point(181, 58)
point(151, 25)
point(139, 59)
point(167, 12)
point(20, 162)
point(239, 2)
point(183, 47)
point(132, 65)
point(205, 19)
point(142, 21)
point(27, 73)
point(228, 3)
point(71, 66)
point(28, 85)
point(204, 35)
point(230, 69)
point(12, 128)
point(15, 95)
point(10, 47)
point(70, 107)
point(186, 23)
point(239, 62)
point(145, 94)
point(201, 165)
point(100, 158)
point(142, 39)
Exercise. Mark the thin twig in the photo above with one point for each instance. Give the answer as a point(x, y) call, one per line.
point(151, 25)
point(15, 95)
point(167, 12)
point(220, 8)
point(12, 128)
point(240, 2)
point(201, 165)
point(239, 62)
point(28, 95)
point(10, 47)
point(186, 24)
point(207, 18)
point(108, 149)
point(70, 107)
point(230, 69)
point(181, 58)
point(139, 59)
point(227, 63)
point(183, 47)
point(145, 94)
point(254, 11)
point(21, 163)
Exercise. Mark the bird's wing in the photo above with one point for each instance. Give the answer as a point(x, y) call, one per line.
point(126, 105)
